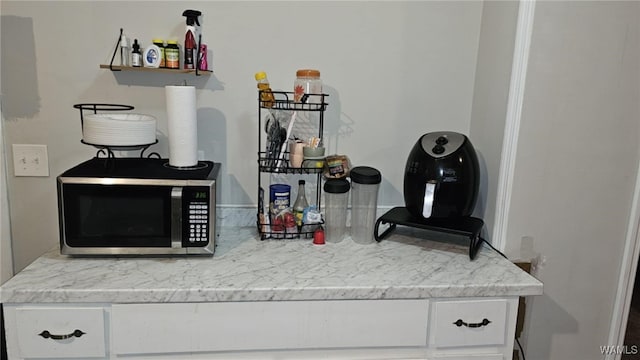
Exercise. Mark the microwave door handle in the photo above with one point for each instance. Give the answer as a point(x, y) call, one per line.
point(176, 216)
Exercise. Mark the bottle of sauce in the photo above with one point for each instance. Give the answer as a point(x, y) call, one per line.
point(300, 204)
point(266, 96)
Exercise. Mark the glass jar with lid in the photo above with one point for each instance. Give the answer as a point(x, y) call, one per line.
point(160, 44)
point(308, 83)
point(172, 55)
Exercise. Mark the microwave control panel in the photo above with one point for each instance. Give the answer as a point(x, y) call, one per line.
point(196, 213)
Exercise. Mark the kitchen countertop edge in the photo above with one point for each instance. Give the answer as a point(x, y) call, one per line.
point(247, 269)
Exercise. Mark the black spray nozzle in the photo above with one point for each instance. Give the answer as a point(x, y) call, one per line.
point(192, 16)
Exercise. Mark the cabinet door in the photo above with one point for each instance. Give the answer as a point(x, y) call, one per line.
point(470, 357)
point(464, 323)
point(43, 332)
point(180, 328)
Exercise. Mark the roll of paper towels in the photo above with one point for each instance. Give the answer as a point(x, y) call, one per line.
point(182, 125)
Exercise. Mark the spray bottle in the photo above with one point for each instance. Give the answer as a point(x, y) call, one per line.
point(190, 44)
point(124, 51)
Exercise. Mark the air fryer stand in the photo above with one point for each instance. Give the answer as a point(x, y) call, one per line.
point(467, 226)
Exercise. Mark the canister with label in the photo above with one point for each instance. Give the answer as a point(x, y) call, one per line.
point(172, 55)
point(279, 198)
point(160, 44)
point(308, 83)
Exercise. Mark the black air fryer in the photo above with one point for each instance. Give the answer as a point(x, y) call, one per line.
point(441, 184)
point(442, 177)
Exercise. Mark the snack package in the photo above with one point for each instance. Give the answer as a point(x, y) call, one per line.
point(336, 166)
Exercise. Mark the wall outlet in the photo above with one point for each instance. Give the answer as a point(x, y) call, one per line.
point(30, 160)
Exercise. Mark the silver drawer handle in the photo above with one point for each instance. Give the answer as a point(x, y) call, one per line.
point(76, 333)
point(484, 322)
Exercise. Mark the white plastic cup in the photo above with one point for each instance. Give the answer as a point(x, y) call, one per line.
point(365, 182)
point(336, 194)
point(295, 154)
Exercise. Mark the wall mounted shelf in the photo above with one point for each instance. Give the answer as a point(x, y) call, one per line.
point(161, 70)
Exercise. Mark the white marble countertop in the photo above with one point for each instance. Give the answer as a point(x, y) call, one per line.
point(244, 268)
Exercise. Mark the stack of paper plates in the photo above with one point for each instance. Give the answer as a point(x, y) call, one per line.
point(124, 129)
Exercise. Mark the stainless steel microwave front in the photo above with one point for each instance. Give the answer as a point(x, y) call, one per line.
point(121, 216)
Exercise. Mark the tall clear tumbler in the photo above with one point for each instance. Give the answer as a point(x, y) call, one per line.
point(336, 195)
point(365, 182)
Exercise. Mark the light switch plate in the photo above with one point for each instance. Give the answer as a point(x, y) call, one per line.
point(30, 160)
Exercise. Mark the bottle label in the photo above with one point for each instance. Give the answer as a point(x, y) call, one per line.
point(310, 87)
point(172, 58)
point(188, 59)
point(135, 60)
point(298, 215)
point(152, 57)
point(279, 198)
point(162, 58)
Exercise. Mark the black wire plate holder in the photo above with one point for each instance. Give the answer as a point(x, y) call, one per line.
point(466, 226)
point(106, 149)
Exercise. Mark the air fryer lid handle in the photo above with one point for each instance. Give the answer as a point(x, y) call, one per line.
point(441, 143)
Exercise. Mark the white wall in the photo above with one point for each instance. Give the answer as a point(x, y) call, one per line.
point(6, 258)
point(576, 166)
point(490, 95)
point(393, 70)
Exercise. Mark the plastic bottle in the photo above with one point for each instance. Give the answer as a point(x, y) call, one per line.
point(190, 45)
point(308, 83)
point(172, 55)
point(300, 204)
point(160, 44)
point(151, 56)
point(365, 182)
point(124, 51)
point(202, 61)
point(266, 96)
point(136, 56)
point(336, 194)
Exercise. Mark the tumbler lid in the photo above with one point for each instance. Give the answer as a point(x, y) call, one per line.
point(337, 186)
point(365, 175)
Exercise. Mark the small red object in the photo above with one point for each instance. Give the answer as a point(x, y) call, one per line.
point(318, 236)
point(278, 224)
point(289, 220)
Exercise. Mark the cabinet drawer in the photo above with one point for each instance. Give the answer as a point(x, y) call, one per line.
point(32, 321)
point(471, 357)
point(469, 323)
point(269, 325)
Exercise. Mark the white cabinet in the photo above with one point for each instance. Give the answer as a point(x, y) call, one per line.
point(443, 329)
point(468, 323)
point(466, 328)
point(267, 325)
point(55, 332)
